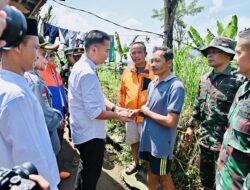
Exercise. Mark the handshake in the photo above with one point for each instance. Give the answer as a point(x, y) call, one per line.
point(127, 115)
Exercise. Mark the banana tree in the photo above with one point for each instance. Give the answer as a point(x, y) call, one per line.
point(229, 31)
point(122, 51)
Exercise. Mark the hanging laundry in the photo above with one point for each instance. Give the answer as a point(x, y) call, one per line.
point(80, 39)
point(51, 31)
point(72, 38)
point(63, 36)
point(68, 37)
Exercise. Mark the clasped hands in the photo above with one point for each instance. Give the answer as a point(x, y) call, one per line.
point(127, 115)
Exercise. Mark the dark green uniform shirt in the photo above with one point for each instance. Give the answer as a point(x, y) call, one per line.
point(233, 169)
point(65, 72)
point(238, 134)
point(212, 103)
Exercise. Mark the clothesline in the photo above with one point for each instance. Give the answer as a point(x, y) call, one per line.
point(71, 38)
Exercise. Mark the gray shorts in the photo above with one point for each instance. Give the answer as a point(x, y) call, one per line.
point(133, 132)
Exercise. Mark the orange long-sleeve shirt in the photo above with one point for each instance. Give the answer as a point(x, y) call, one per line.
point(131, 95)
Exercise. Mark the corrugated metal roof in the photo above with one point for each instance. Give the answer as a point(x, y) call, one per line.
point(28, 7)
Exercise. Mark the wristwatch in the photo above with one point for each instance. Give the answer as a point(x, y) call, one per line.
point(113, 108)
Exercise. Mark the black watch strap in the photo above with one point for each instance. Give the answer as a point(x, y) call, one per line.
point(113, 108)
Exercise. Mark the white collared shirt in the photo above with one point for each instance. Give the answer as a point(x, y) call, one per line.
point(23, 131)
point(86, 102)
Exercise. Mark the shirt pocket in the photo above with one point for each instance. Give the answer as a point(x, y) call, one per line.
point(244, 109)
point(203, 91)
point(224, 100)
point(202, 96)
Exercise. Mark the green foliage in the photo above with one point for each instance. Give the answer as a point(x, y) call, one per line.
point(230, 31)
point(209, 37)
point(232, 28)
point(220, 27)
point(122, 51)
point(187, 10)
point(189, 67)
point(159, 14)
point(182, 10)
point(195, 36)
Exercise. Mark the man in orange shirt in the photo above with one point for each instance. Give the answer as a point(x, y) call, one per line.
point(133, 94)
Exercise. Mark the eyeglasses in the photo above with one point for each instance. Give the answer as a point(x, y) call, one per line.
point(51, 55)
point(44, 54)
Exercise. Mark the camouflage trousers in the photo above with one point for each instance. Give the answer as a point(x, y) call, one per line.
point(208, 159)
point(233, 170)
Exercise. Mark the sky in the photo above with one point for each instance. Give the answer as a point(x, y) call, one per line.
point(137, 14)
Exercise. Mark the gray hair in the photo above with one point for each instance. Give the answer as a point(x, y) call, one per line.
point(245, 34)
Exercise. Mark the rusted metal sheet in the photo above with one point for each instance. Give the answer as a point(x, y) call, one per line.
point(29, 7)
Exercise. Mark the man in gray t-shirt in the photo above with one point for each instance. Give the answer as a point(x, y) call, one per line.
point(162, 111)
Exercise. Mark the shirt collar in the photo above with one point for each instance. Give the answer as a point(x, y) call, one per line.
point(226, 71)
point(168, 78)
point(246, 88)
point(91, 63)
point(146, 68)
point(12, 75)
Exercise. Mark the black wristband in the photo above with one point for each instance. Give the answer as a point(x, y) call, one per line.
point(113, 108)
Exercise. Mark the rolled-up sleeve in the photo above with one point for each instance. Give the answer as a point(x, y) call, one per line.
point(92, 96)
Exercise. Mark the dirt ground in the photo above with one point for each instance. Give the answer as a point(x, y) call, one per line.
point(68, 161)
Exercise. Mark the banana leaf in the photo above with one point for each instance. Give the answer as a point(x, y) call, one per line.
point(232, 28)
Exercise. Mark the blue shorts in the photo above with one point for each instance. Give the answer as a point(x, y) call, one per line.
point(159, 166)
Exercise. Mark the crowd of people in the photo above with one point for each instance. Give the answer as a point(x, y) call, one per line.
point(37, 102)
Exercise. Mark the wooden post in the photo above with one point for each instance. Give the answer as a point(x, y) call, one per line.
point(169, 15)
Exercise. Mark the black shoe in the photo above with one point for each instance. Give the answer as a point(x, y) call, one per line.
point(132, 168)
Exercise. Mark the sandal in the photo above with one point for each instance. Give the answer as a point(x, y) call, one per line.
point(132, 168)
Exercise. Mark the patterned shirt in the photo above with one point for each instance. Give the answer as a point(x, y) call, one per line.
point(215, 96)
point(238, 134)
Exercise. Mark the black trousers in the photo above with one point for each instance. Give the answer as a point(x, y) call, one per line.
point(208, 162)
point(90, 164)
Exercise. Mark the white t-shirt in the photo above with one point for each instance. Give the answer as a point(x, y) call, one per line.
point(86, 102)
point(23, 132)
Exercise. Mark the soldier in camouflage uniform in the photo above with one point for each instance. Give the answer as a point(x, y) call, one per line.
point(72, 55)
point(233, 169)
point(215, 96)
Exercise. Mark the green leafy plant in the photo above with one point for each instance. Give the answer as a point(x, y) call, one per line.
point(229, 31)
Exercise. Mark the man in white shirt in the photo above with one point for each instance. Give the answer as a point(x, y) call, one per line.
point(89, 108)
point(23, 131)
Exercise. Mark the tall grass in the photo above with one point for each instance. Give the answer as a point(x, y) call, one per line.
point(188, 66)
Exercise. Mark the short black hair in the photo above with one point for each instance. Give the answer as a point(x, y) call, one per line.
point(140, 43)
point(95, 37)
point(245, 34)
point(167, 53)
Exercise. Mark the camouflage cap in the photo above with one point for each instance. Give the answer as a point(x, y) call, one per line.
point(78, 51)
point(225, 44)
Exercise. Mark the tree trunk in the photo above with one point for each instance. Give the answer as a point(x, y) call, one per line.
point(169, 15)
